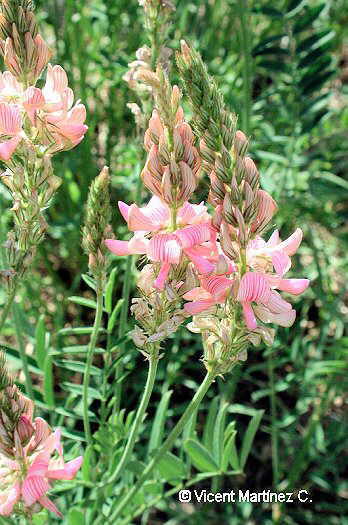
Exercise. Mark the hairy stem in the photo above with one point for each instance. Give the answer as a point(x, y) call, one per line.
point(167, 445)
point(90, 354)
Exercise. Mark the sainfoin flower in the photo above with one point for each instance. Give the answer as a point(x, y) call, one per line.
point(257, 290)
point(57, 123)
point(155, 238)
point(37, 461)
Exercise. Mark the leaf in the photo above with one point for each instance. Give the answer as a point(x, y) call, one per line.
point(249, 437)
point(171, 467)
point(86, 465)
point(40, 342)
point(230, 453)
point(159, 421)
point(79, 330)
point(78, 390)
point(208, 432)
point(83, 301)
point(272, 50)
point(78, 366)
point(109, 290)
point(89, 281)
point(315, 41)
point(48, 390)
point(219, 433)
point(76, 517)
point(200, 456)
point(305, 21)
point(114, 315)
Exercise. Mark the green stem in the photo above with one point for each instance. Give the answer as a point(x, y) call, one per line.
point(167, 445)
point(153, 362)
point(21, 345)
point(90, 353)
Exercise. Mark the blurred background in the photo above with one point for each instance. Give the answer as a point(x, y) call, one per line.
point(284, 71)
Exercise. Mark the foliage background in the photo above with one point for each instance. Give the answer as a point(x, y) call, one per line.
point(284, 71)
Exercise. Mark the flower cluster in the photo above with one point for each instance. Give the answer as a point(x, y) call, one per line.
point(35, 123)
point(31, 455)
point(217, 262)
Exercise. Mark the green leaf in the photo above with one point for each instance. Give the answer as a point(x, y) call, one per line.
point(249, 437)
point(114, 315)
point(305, 21)
point(200, 456)
point(230, 455)
point(83, 301)
point(171, 467)
point(40, 342)
point(77, 366)
point(93, 393)
point(219, 433)
point(315, 41)
point(76, 517)
point(89, 281)
point(109, 290)
point(159, 421)
point(208, 432)
point(79, 330)
point(48, 388)
point(86, 465)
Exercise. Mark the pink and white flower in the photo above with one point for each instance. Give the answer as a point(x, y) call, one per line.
point(165, 246)
point(29, 479)
point(10, 130)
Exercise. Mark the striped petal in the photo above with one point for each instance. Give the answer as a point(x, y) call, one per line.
point(217, 286)
point(68, 472)
point(253, 287)
point(276, 303)
point(193, 235)
point(165, 248)
point(162, 276)
point(196, 307)
point(33, 488)
point(49, 505)
point(149, 218)
point(281, 262)
point(202, 264)
point(285, 319)
point(249, 316)
point(293, 286)
point(10, 119)
point(8, 147)
point(291, 244)
point(197, 293)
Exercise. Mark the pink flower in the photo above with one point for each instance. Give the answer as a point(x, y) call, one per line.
point(10, 126)
point(214, 290)
point(270, 307)
point(163, 246)
point(41, 467)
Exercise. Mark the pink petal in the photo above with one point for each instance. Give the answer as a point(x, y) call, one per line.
point(162, 276)
point(10, 119)
point(193, 235)
point(33, 488)
point(136, 246)
point(281, 262)
point(285, 319)
point(273, 240)
point(293, 286)
point(40, 465)
point(202, 264)
point(197, 293)
point(8, 147)
point(49, 505)
point(68, 472)
point(253, 287)
point(192, 213)
point(276, 303)
point(164, 247)
point(249, 317)
point(217, 285)
point(124, 209)
point(199, 306)
point(291, 244)
point(149, 218)
point(13, 495)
